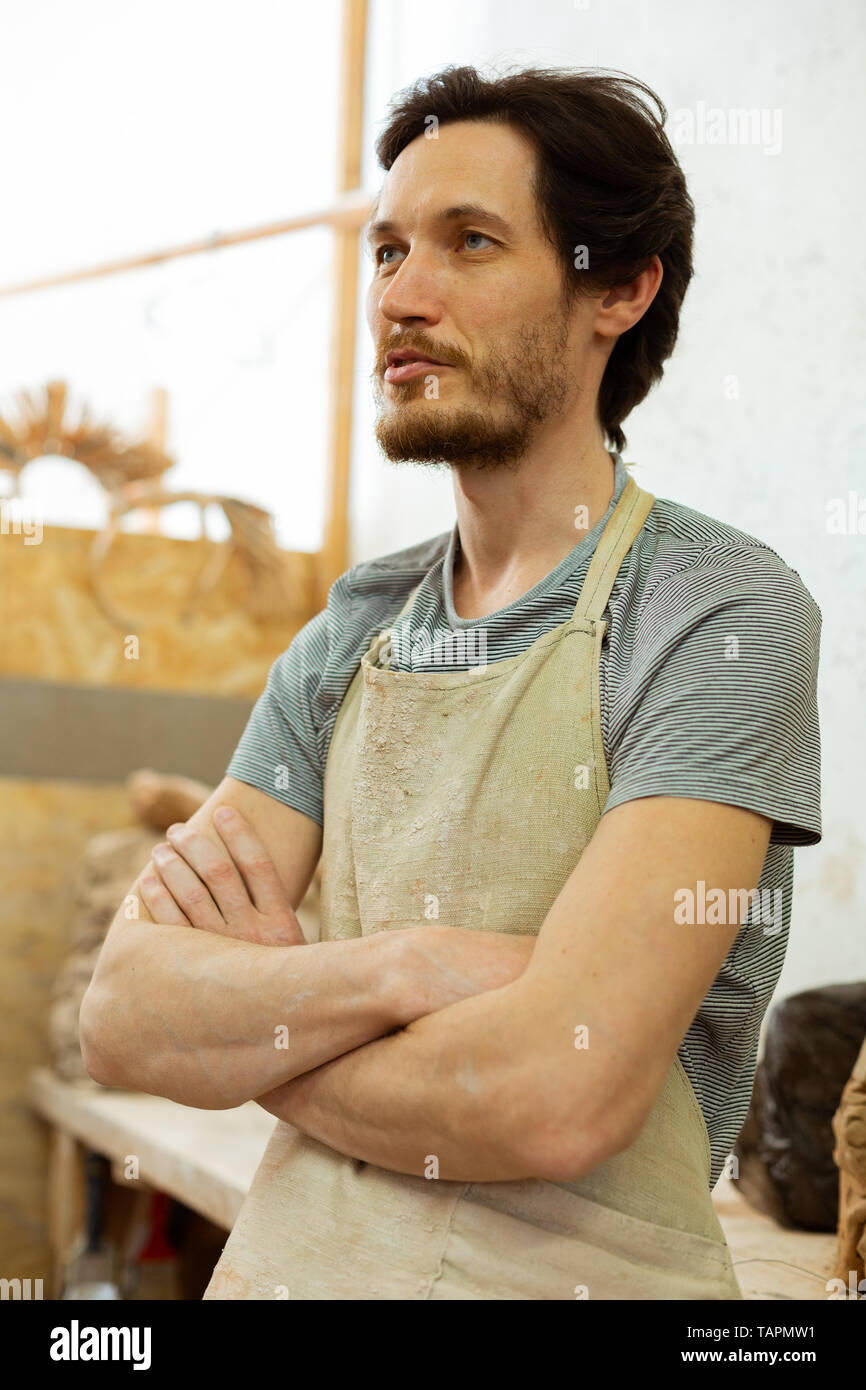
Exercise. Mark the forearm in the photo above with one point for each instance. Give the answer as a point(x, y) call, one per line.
point(212, 1021)
point(454, 1087)
point(240, 1004)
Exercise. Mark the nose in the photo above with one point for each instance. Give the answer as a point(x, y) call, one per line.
point(411, 294)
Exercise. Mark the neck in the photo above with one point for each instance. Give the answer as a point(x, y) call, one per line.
point(516, 525)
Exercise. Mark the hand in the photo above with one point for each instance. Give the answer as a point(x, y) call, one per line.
point(230, 888)
point(440, 965)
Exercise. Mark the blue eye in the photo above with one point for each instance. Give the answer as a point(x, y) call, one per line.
point(467, 235)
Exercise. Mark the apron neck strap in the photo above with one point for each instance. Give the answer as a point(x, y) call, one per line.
point(629, 515)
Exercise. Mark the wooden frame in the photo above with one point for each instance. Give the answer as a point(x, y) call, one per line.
point(346, 215)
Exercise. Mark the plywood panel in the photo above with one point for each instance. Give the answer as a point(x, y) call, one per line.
point(53, 628)
point(43, 830)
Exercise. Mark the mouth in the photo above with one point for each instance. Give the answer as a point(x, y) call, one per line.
point(404, 364)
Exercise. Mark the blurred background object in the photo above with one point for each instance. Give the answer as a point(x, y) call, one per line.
point(786, 1146)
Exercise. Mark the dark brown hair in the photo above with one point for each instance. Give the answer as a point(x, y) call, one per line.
point(607, 178)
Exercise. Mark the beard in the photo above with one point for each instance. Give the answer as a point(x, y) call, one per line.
point(516, 392)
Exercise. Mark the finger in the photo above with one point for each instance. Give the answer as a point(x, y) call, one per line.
point(253, 861)
point(215, 868)
point(160, 904)
point(187, 889)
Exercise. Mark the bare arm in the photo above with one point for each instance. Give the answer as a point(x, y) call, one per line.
point(218, 1016)
point(496, 1086)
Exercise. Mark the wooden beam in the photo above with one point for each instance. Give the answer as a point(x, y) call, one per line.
point(157, 434)
point(333, 559)
point(351, 210)
point(65, 1181)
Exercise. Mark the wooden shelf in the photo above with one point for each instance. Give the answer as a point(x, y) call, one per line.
point(204, 1158)
point(772, 1262)
point(207, 1159)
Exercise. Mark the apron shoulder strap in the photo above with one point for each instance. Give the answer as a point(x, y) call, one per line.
point(629, 515)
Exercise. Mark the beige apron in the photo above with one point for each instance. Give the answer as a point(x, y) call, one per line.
point(467, 798)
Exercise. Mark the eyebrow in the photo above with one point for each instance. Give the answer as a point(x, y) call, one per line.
point(472, 212)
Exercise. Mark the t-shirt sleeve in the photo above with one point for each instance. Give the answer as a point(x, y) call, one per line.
point(278, 751)
point(720, 700)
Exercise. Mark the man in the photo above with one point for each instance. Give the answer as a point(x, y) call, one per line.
point(547, 759)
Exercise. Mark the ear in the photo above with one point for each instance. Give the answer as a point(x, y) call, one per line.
point(624, 305)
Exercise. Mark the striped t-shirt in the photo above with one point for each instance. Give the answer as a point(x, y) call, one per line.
point(708, 689)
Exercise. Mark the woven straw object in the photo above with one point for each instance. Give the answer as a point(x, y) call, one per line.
point(131, 474)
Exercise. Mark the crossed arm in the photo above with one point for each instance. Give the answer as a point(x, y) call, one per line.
point(221, 1015)
point(551, 1074)
point(510, 1058)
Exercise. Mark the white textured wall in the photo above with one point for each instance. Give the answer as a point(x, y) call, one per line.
point(760, 419)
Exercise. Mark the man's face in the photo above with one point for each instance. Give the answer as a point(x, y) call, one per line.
point(465, 278)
